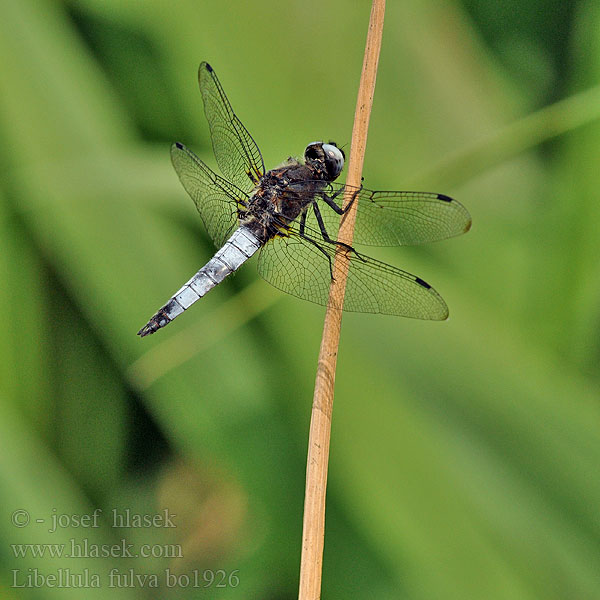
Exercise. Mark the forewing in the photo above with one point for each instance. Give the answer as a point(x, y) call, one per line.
point(294, 265)
point(397, 218)
point(217, 200)
point(235, 150)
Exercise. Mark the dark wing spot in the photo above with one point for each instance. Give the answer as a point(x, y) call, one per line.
point(423, 283)
point(179, 145)
point(208, 67)
point(444, 198)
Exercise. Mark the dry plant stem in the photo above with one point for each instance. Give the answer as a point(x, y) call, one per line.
point(313, 534)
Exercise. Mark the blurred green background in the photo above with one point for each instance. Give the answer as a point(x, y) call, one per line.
point(464, 458)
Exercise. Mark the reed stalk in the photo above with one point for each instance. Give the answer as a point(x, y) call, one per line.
point(313, 535)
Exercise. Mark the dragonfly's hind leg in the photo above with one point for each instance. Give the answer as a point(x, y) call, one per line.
point(314, 243)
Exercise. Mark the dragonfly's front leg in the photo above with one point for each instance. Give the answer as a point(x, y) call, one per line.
point(330, 200)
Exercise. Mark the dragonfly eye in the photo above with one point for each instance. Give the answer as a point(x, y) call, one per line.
point(334, 159)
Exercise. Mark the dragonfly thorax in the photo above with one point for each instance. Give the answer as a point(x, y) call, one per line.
point(281, 196)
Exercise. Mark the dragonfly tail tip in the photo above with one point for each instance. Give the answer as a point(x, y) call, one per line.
point(146, 330)
point(160, 319)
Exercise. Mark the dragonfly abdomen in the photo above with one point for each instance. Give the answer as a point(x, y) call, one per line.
point(236, 250)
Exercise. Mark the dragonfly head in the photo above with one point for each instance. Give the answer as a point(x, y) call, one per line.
point(326, 158)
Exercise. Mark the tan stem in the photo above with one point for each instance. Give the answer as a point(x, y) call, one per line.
point(313, 534)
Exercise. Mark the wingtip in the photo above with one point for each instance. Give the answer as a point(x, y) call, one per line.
point(204, 66)
point(443, 313)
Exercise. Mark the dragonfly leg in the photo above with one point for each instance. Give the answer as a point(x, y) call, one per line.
point(328, 239)
point(330, 200)
point(317, 245)
point(302, 223)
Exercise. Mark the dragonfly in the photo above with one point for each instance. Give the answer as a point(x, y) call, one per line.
point(290, 216)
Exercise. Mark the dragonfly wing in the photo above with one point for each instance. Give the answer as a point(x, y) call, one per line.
point(219, 202)
point(397, 218)
point(298, 267)
point(236, 151)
